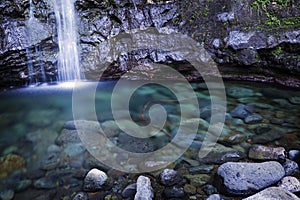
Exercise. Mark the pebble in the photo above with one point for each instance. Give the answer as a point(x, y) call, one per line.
point(7, 194)
point(253, 119)
point(189, 189)
point(67, 136)
point(294, 155)
point(144, 190)
point(81, 196)
point(247, 178)
point(259, 152)
point(290, 183)
point(45, 183)
point(94, 180)
point(10, 163)
point(74, 149)
point(215, 197)
point(274, 193)
point(22, 185)
point(202, 169)
point(290, 167)
point(242, 111)
point(110, 128)
point(239, 92)
point(174, 192)
point(220, 154)
point(233, 138)
point(129, 191)
point(267, 137)
point(209, 189)
point(295, 100)
point(197, 180)
point(170, 177)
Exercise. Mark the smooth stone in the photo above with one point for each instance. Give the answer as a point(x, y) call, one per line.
point(170, 177)
point(283, 103)
point(174, 192)
point(144, 190)
point(239, 92)
point(7, 194)
point(277, 121)
point(290, 167)
point(22, 185)
point(202, 169)
point(290, 183)
point(247, 178)
point(137, 145)
point(189, 189)
point(259, 152)
point(220, 154)
point(150, 165)
point(267, 137)
point(262, 129)
point(246, 100)
point(45, 183)
point(216, 197)
point(233, 138)
point(67, 136)
point(74, 149)
point(261, 105)
point(294, 155)
point(295, 100)
point(253, 119)
point(94, 180)
point(241, 111)
point(273, 193)
point(50, 161)
point(129, 191)
point(9, 150)
point(209, 189)
point(81, 196)
point(197, 180)
point(82, 125)
point(110, 128)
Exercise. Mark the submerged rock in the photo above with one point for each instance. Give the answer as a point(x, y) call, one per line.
point(144, 190)
point(290, 167)
point(94, 180)
point(242, 111)
point(174, 192)
point(247, 178)
point(10, 163)
point(274, 193)
point(267, 137)
point(129, 191)
point(259, 152)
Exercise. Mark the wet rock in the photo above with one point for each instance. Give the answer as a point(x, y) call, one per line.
point(277, 121)
point(202, 169)
point(174, 192)
point(74, 149)
point(247, 178)
point(51, 160)
point(10, 163)
point(22, 185)
point(290, 167)
point(295, 100)
point(226, 16)
point(129, 191)
point(209, 189)
point(262, 129)
point(274, 193)
point(267, 137)
point(151, 165)
point(46, 183)
point(170, 177)
point(197, 179)
point(216, 197)
point(139, 146)
point(110, 128)
point(7, 194)
point(144, 190)
point(253, 119)
point(290, 183)
point(242, 111)
point(294, 155)
point(220, 154)
point(82, 125)
point(189, 189)
point(259, 152)
point(94, 180)
point(81, 196)
point(67, 136)
point(239, 92)
point(233, 138)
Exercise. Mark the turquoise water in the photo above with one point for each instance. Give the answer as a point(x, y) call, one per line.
point(33, 118)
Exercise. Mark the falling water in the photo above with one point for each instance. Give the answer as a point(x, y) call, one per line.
point(68, 61)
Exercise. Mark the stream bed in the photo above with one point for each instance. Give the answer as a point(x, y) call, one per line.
point(42, 156)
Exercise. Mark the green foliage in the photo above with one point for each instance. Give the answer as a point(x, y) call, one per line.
point(277, 51)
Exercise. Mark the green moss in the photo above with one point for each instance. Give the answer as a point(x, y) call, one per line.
point(277, 51)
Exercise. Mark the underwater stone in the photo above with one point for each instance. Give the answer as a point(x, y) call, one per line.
point(45, 183)
point(253, 119)
point(267, 137)
point(197, 179)
point(7, 194)
point(241, 111)
point(10, 163)
point(174, 192)
point(129, 191)
point(259, 152)
point(81, 196)
point(239, 92)
point(290, 167)
point(247, 178)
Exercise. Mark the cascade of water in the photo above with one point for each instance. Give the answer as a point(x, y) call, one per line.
point(68, 58)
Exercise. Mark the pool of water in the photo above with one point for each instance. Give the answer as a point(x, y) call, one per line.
point(42, 156)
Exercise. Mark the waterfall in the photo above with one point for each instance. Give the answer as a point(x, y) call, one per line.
point(68, 57)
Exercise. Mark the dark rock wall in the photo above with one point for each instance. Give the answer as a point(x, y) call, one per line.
point(248, 39)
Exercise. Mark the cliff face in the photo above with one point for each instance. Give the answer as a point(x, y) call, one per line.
point(248, 39)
